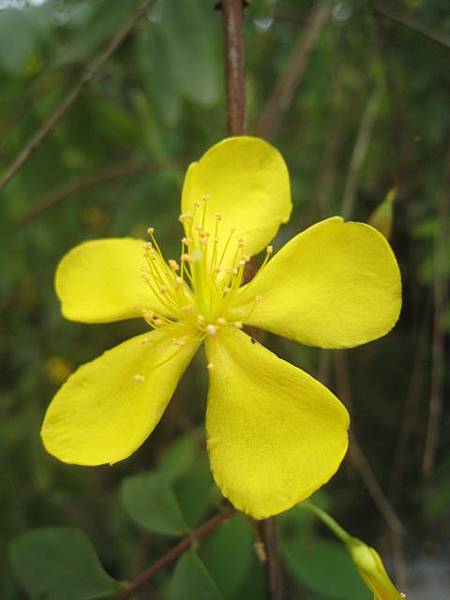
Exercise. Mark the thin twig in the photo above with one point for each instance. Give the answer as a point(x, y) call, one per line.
point(114, 171)
point(233, 33)
point(408, 21)
point(289, 81)
point(360, 150)
point(438, 340)
point(233, 20)
point(409, 416)
point(90, 74)
point(361, 464)
point(268, 533)
point(175, 552)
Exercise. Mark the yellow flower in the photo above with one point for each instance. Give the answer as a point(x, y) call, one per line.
point(274, 434)
point(372, 571)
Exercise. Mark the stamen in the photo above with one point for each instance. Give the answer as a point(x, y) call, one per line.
point(210, 366)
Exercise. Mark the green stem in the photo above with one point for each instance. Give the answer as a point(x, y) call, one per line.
point(327, 520)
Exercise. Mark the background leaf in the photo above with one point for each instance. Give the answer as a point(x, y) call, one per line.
point(191, 580)
point(324, 566)
point(60, 563)
point(151, 504)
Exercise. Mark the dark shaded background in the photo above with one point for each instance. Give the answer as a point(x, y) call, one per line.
point(363, 105)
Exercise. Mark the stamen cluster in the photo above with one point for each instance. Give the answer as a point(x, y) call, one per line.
point(198, 290)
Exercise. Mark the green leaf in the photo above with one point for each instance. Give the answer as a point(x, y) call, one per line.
point(155, 65)
point(60, 563)
point(150, 502)
point(189, 28)
point(228, 553)
point(191, 580)
point(325, 567)
point(99, 22)
point(196, 492)
point(16, 39)
point(179, 457)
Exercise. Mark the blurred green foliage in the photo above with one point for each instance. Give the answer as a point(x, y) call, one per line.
point(158, 104)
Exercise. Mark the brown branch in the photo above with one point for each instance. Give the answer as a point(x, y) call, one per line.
point(268, 533)
point(408, 21)
point(90, 74)
point(289, 81)
point(78, 184)
point(360, 150)
point(233, 21)
point(410, 418)
point(233, 33)
point(438, 340)
point(175, 552)
point(361, 464)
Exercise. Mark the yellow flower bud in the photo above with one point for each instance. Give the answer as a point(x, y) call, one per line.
point(372, 571)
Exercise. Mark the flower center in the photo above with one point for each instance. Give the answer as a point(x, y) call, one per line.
point(199, 289)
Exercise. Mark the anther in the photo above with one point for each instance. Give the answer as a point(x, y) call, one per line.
point(186, 258)
point(151, 230)
point(201, 320)
point(269, 249)
point(206, 198)
point(258, 299)
point(221, 321)
point(238, 324)
point(241, 242)
point(139, 378)
point(210, 366)
point(174, 265)
point(218, 217)
point(211, 329)
point(197, 204)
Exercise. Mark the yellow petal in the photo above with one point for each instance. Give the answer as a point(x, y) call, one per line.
point(335, 285)
point(109, 406)
point(100, 281)
point(275, 434)
point(247, 182)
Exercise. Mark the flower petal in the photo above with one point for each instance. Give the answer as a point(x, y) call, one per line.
point(100, 281)
point(109, 406)
point(247, 182)
point(335, 285)
point(275, 434)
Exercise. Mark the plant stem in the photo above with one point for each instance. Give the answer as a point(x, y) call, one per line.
point(175, 552)
point(328, 520)
point(268, 532)
point(91, 73)
point(233, 33)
